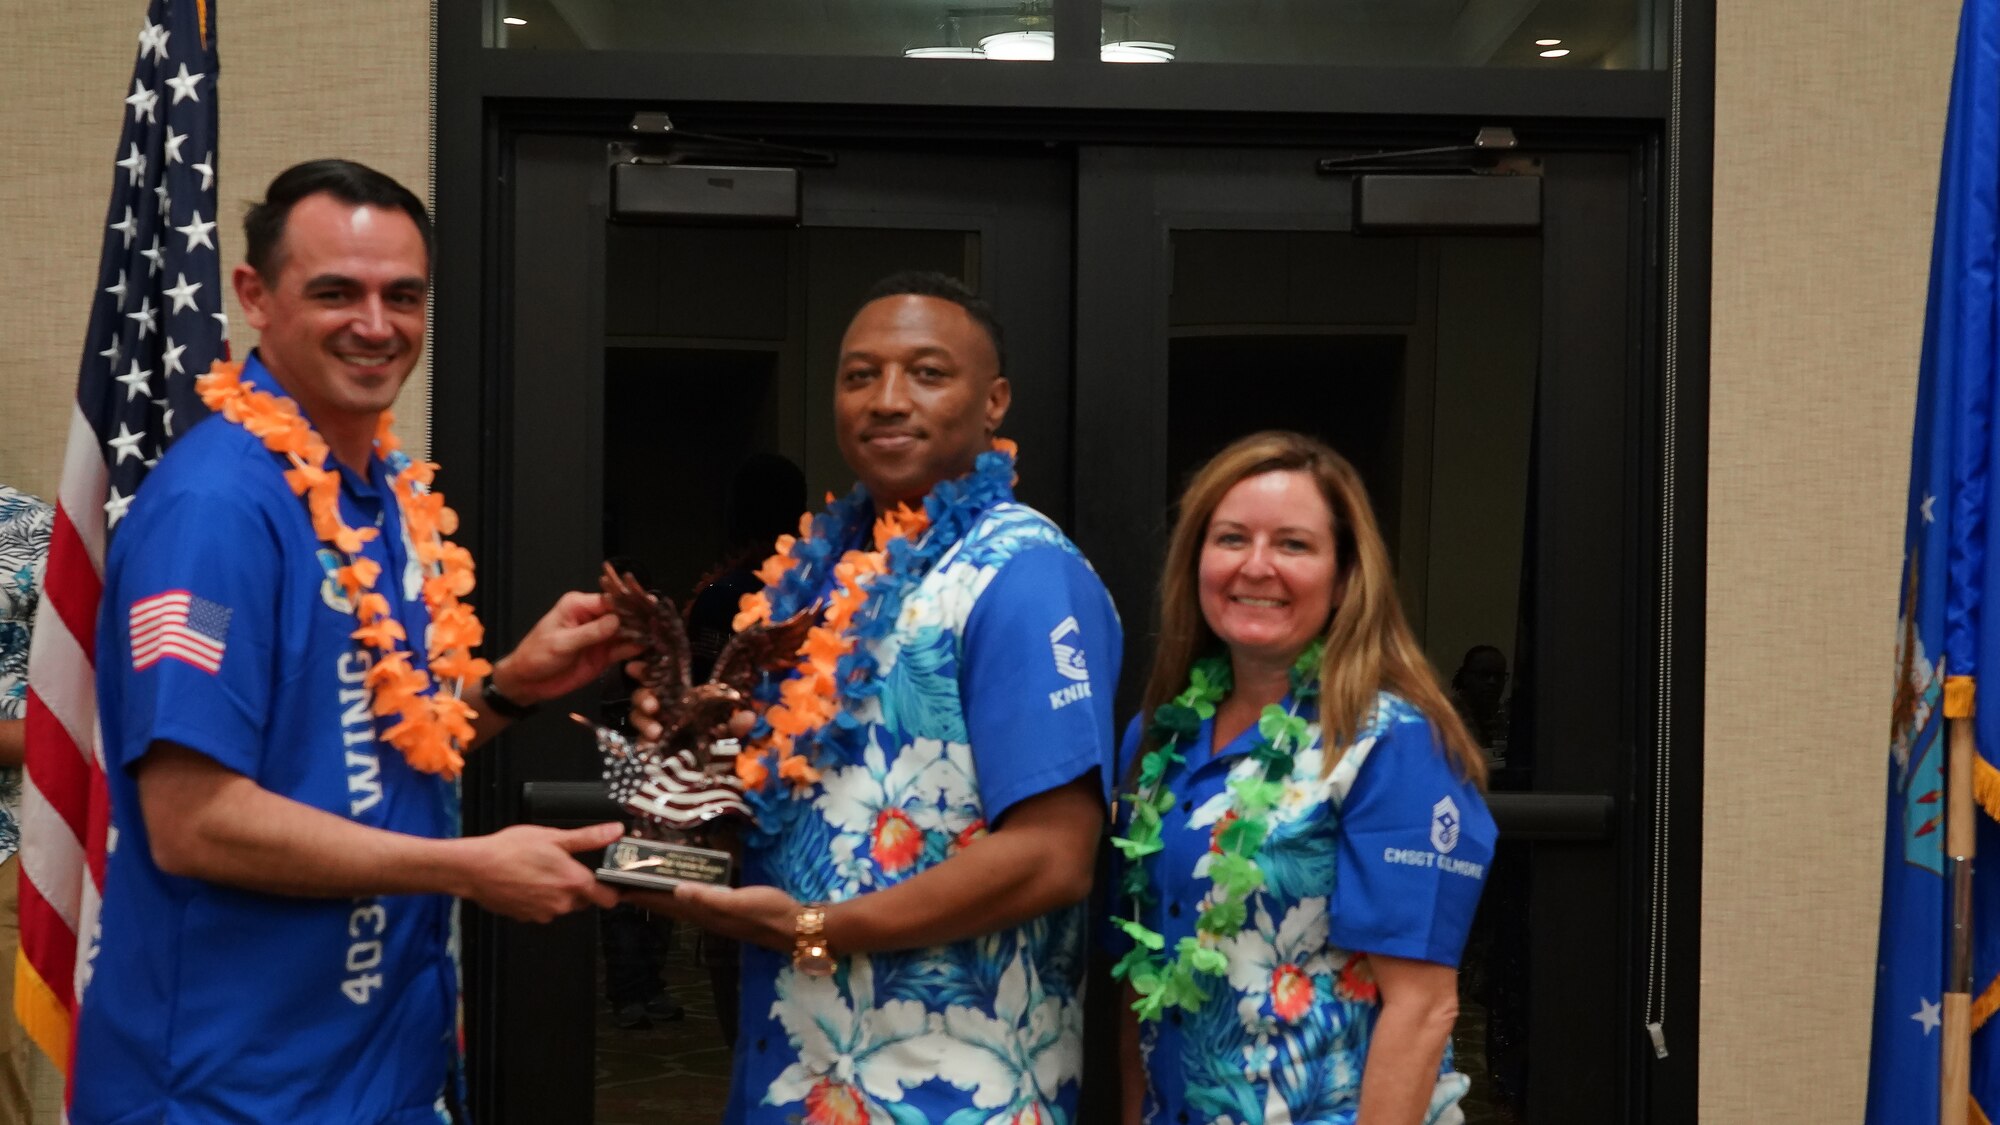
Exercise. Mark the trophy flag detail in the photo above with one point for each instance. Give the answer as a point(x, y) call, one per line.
point(684, 785)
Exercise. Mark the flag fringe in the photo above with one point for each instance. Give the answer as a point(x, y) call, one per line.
point(1986, 785)
point(1986, 791)
point(1958, 697)
point(42, 1016)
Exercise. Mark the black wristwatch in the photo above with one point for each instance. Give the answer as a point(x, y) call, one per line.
point(497, 702)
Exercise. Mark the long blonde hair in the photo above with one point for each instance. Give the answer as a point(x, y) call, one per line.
point(1369, 646)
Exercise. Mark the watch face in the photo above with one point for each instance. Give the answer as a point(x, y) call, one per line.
point(814, 961)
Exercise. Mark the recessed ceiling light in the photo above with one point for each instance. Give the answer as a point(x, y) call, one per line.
point(516, 21)
point(1030, 46)
point(1137, 51)
point(1547, 42)
point(1559, 52)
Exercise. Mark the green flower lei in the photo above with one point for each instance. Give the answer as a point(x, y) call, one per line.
point(1162, 982)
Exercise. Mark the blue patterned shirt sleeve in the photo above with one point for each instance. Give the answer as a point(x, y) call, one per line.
point(1041, 658)
point(25, 525)
point(1416, 844)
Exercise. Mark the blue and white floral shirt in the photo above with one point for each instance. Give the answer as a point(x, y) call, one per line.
point(1386, 854)
point(997, 686)
point(25, 524)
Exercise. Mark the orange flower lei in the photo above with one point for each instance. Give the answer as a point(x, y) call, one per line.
point(433, 724)
point(810, 700)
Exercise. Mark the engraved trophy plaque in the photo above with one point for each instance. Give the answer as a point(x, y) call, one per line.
point(682, 790)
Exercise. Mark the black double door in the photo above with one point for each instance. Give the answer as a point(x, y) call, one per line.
point(1488, 380)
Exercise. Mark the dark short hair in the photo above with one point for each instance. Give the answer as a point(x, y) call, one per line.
point(944, 287)
point(346, 180)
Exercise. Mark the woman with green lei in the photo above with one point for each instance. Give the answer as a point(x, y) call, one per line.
point(1302, 834)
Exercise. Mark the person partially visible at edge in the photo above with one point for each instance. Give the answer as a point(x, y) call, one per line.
point(1478, 693)
point(1316, 840)
point(25, 526)
point(912, 909)
point(276, 931)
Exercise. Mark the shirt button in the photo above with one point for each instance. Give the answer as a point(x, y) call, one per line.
point(760, 1045)
point(1174, 910)
point(1187, 806)
point(1175, 1017)
point(1183, 1119)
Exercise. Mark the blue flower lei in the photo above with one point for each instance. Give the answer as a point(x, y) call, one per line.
point(953, 507)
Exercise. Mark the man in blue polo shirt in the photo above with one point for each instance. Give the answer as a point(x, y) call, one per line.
point(276, 927)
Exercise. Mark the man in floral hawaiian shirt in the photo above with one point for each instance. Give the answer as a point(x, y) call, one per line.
point(912, 909)
point(24, 550)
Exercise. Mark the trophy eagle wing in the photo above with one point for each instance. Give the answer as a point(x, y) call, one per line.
point(759, 649)
point(653, 622)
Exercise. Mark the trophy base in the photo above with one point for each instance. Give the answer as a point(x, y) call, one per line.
point(655, 865)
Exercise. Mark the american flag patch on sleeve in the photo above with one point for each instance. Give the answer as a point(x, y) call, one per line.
point(180, 625)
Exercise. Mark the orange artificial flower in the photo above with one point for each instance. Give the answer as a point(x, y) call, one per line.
point(825, 647)
point(795, 769)
point(349, 540)
point(358, 575)
point(372, 606)
point(432, 723)
point(751, 609)
point(381, 633)
point(460, 666)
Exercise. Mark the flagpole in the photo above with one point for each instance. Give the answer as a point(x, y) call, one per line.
point(1955, 1069)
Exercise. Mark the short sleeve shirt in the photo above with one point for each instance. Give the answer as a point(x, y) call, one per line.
point(1386, 854)
point(222, 629)
point(997, 685)
point(25, 526)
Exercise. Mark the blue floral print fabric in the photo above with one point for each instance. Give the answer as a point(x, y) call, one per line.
point(1384, 854)
point(25, 525)
point(996, 683)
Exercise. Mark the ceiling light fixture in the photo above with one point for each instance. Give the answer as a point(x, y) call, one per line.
point(1020, 46)
point(514, 21)
point(1136, 51)
point(1548, 42)
point(944, 53)
point(1559, 52)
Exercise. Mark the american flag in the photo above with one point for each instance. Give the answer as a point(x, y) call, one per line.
point(156, 322)
point(180, 626)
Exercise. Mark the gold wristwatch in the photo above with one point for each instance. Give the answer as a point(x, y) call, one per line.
point(810, 953)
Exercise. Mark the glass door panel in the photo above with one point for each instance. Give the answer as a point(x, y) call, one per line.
point(1456, 371)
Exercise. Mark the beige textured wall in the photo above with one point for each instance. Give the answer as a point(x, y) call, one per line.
point(1829, 118)
point(1829, 115)
point(298, 81)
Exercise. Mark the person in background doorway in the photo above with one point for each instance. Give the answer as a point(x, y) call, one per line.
point(25, 525)
point(1303, 833)
point(1479, 694)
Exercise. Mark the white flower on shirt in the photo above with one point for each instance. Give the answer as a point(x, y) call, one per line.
point(942, 601)
point(1273, 968)
point(850, 1059)
point(884, 815)
point(1028, 1048)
